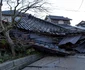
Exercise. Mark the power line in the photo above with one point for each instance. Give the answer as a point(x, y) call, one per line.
point(81, 4)
point(72, 10)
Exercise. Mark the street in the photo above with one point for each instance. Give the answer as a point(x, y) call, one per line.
point(76, 62)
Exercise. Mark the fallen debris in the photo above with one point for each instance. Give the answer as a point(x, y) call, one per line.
point(55, 51)
point(81, 47)
point(71, 40)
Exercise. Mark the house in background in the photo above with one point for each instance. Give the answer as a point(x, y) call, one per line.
point(61, 21)
point(82, 24)
point(7, 15)
point(58, 19)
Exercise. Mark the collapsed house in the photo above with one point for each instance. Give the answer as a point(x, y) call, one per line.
point(42, 33)
point(48, 37)
point(74, 37)
point(53, 35)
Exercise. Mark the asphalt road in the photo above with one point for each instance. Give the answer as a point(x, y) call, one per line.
point(76, 62)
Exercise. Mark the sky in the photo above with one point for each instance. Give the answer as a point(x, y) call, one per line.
point(74, 9)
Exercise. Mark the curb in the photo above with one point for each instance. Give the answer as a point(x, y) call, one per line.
point(20, 63)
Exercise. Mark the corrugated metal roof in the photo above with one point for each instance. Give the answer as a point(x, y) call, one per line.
point(72, 40)
point(81, 47)
point(41, 38)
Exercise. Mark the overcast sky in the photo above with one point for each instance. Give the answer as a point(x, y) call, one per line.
point(74, 9)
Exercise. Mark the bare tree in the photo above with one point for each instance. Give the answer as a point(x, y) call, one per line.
point(22, 6)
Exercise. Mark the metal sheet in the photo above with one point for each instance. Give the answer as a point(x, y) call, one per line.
point(72, 40)
point(41, 38)
point(81, 47)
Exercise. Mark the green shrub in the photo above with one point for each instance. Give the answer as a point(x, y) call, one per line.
point(1, 60)
point(3, 41)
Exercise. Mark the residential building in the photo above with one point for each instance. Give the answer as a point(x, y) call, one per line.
point(8, 14)
point(58, 19)
point(82, 24)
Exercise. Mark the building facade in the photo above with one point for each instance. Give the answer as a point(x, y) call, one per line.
point(8, 14)
point(58, 19)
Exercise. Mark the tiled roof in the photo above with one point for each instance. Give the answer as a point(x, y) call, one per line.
point(82, 23)
point(67, 26)
point(10, 12)
point(58, 17)
point(35, 24)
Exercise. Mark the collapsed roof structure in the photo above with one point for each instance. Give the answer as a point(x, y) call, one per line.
point(47, 35)
point(35, 24)
point(72, 40)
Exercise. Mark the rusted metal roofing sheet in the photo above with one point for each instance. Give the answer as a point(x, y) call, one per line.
point(72, 40)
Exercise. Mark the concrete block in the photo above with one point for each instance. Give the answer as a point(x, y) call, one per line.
point(28, 59)
point(15, 68)
point(6, 65)
point(19, 63)
point(35, 57)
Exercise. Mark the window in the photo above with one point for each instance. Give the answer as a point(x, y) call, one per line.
point(60, 22)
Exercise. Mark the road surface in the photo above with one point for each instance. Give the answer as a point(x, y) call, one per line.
point(76, 62)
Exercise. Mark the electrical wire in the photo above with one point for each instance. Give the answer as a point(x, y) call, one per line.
point(81, 4)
